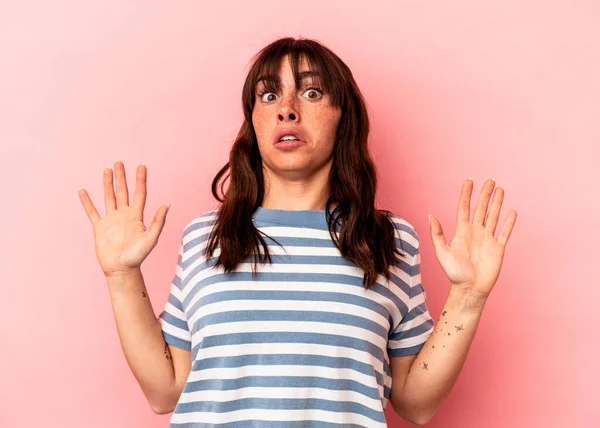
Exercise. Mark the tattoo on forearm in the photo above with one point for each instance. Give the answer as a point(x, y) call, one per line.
point(143, 294)
point(425, 366)
point(167, 352)
point(458, 327)
point(444, 313)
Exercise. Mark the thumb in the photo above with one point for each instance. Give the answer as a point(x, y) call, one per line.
point(158, 222)
point(437, 234)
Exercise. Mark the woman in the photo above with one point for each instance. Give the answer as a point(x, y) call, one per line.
point(297, 302)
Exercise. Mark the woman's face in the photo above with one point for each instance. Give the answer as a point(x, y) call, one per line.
point(304, 110)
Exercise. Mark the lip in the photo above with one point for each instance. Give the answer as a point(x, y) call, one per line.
point(288, 131)
point(288, 145)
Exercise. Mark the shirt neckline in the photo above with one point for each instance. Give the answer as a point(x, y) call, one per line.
point(293, 218)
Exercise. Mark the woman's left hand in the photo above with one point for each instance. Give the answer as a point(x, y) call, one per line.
point(473, 259)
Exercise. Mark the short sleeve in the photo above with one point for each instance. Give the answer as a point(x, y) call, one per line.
point(173, 318)
point(410, 334)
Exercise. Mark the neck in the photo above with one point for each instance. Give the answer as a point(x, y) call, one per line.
point(296, 193)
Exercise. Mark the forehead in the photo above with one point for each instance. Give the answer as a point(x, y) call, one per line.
point(271, 75)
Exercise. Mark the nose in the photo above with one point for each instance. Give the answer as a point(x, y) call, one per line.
point(287, 110)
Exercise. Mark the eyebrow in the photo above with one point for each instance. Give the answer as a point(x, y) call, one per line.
point(274, 78)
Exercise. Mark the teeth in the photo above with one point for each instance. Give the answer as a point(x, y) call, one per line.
point(288, 138)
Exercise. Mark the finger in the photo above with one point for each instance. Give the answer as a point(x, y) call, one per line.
point(492, 218)
point(139, 196)
point(437, 234)
point(109, 191)
point(464, 202)
point(89, 207)
point(482, 203)
point(507, 229)
point(158, 222)
point(121, 181)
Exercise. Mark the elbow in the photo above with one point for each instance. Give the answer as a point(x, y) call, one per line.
point(161, 409)
point(163, 402)
point(424, 415)
point(421, 419)
point(162, 405)
point(417, 416)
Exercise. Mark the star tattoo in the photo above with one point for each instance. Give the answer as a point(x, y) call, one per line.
point(458, 327)
point(425, 366)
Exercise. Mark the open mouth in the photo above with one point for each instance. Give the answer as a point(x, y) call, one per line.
point(288, 138)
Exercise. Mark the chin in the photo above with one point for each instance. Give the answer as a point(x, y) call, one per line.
point(290, 166)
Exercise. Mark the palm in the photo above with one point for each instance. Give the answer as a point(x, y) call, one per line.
point(121, 232)
point(473, 259)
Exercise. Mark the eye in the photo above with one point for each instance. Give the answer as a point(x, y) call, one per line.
point(314, 93)
point(265, 96)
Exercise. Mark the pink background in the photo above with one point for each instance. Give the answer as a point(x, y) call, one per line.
point(504, 89)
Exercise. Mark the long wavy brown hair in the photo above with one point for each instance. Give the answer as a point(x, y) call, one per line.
point(366, 234)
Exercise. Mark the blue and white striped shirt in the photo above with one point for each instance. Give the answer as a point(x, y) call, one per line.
point(303, 343)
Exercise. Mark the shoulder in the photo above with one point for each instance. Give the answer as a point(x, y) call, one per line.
point(202, 220)
point(407, 238)
point(197, 230)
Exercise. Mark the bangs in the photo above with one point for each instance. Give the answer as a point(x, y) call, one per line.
point(323, 69)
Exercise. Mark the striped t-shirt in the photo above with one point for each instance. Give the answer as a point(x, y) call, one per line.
point(302, 344)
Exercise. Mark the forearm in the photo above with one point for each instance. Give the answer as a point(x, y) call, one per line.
point(141, 338)
point(437, 366)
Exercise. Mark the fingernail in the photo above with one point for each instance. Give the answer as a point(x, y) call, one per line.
point(470, 178)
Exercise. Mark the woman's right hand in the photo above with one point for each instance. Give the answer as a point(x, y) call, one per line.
point(121, 240)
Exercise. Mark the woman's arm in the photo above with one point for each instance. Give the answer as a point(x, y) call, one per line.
point(418, 389)
point(159, 375)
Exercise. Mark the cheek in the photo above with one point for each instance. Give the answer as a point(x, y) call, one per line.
point(327, 122)
point(263, 128)
point(259, 124)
